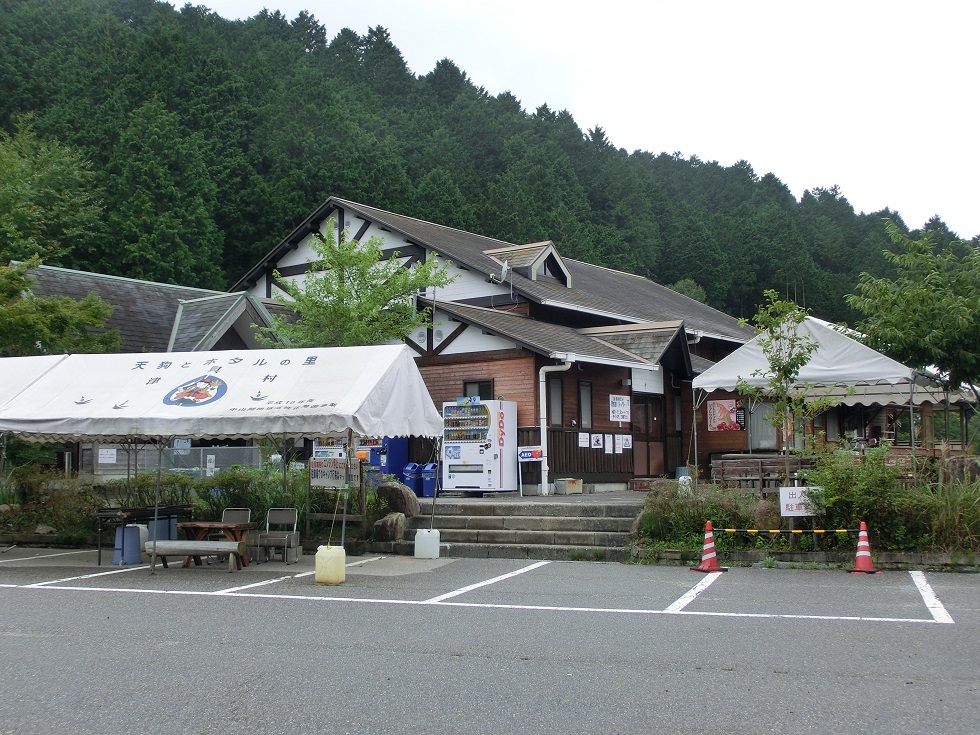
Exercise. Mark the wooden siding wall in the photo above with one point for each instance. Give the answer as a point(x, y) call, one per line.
point(513, 375)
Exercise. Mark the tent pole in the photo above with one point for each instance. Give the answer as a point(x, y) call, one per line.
point(156, 507)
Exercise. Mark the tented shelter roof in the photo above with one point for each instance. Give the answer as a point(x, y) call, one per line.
point(840, 366)
point(233, 394)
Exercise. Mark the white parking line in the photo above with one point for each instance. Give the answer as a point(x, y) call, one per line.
point(470, 587)
point(939, 613)
point(681, 602)
point(44, 556)
point(493, 606)
point(87, 576)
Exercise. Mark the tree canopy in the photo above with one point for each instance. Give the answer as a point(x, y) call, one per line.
point(57, 324)
point(928, 314)
point(207, 140)
point(354, 295)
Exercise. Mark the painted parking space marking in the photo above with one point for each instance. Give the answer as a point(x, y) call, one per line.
point(42, 556)
point(87, 576)
point(485, 583)
point(939, 613)
point(688, 597)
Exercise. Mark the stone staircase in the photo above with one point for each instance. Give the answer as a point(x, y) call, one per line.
point(553, 528)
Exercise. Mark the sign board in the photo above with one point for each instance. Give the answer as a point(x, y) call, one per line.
point(530, 454)
point(619, 408)
point(728, 415)
point(107, 455)
point(331, 471)
point(795, 502)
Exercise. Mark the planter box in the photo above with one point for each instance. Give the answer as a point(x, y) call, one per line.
point(568, 486)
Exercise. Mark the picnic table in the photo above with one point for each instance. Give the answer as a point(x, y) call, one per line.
point(199, 531)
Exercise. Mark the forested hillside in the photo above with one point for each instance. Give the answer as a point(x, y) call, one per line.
point(191, 145)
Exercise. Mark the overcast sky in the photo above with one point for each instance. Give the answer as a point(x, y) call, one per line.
point(875, 96)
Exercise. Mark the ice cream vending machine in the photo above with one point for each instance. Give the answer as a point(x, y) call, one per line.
point(479, 445)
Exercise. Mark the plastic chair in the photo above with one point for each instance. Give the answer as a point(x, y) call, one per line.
point(280, 533)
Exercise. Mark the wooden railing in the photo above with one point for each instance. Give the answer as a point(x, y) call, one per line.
point(567, 459)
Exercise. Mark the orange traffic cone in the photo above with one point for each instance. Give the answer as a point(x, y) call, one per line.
point(862, 562)
point(709, 560)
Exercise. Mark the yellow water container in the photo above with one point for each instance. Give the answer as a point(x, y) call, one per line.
point(330, 565)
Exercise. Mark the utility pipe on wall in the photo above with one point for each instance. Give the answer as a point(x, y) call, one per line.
point(567, 359)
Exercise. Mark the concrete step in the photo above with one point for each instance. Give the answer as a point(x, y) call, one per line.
point(507, 551)
point(566, 527)
point(529, 538)
point(524, 523)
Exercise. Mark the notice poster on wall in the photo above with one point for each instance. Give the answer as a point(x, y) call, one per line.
point(728, 415)
point(619, 408)
point(584, 440)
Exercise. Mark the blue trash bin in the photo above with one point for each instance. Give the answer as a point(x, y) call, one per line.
point(430, 479)
point(413, 477)
point(127, 549)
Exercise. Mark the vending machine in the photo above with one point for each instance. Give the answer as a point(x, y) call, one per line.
point(479, 445)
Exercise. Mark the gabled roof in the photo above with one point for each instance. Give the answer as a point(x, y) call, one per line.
point(531, 261)
point(664, 343)
point(595, 290)
point(158, 317)
point(543, 338)
point(144, 312)
point(201, 323)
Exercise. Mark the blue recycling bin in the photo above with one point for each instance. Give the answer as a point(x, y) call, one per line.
point(127, 549)
point(413, 477)
point(430, 479)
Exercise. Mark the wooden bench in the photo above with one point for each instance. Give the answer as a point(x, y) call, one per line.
point(196, 549)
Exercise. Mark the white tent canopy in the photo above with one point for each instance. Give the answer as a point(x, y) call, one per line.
point(232, 394)
point(840, 366)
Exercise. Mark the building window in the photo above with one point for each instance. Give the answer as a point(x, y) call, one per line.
point(554, 402)
point(482, 389)
point(585, 404)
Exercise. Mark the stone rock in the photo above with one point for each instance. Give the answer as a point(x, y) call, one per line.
point(399, 498)
point(43, 529)
point(390, 528)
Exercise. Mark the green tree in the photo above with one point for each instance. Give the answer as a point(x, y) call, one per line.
point(354, 296)
point(928, 313)
point(163, 203)
point(49, 203)
point(690, 288)
point(58, 324)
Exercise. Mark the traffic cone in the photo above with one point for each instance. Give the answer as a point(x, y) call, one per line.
point(709, 560)
point(862, 562)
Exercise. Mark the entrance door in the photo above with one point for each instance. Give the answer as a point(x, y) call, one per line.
point(648, 435)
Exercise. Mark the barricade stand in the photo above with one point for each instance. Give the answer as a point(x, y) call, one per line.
point(709, 560)
point(862, 560)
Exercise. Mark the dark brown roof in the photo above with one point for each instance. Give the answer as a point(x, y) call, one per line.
point(544, 338)
point(597, 290)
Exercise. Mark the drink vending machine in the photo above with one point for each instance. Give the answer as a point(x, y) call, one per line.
point(479, 445)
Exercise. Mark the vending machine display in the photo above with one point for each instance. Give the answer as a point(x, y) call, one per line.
point(479, 445)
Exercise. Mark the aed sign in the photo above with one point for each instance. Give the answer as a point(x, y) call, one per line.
point(530, 454)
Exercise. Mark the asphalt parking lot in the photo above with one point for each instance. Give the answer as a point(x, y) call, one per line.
point(488, 645)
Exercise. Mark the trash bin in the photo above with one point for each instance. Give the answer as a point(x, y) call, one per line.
point(127, 549)
point(413, 477)
point(430, 479)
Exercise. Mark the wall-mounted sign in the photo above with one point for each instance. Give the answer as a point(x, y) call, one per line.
point(619, 408)
point(728, 415)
